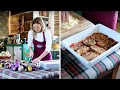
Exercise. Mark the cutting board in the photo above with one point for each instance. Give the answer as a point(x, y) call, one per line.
point(83, 24)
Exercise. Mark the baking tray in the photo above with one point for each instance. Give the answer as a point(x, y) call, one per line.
point(83, 34)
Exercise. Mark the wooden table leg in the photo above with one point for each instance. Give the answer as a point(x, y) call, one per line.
point(115, 71)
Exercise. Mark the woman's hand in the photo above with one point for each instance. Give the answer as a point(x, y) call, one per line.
point(36, 60)
point(31, 53)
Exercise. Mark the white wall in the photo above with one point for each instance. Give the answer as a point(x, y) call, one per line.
point(35, 14)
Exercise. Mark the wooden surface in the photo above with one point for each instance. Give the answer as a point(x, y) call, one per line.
point(106, 75)
point(83, 24)
point(115, 71)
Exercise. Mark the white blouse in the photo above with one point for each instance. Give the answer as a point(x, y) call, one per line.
point(39, 37)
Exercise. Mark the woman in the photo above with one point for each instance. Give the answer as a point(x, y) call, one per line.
point(40, 38)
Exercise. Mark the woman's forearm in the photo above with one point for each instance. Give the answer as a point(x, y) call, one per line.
point(43, 55)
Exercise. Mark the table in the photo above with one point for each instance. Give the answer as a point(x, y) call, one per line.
point(41, 74)
point(72, 69)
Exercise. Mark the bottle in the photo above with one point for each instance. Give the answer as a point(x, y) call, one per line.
point(18, 38)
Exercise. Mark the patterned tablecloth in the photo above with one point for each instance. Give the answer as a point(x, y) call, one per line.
point(72, 69)
point(41, 74)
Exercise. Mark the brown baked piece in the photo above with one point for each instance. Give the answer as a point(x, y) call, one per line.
point(102, 43)
point(89, 41)
point(99, 36)
point(90, 55)
point(97, 49)
point(111, 42)
point(79, 44)
point(76, 46)
point(106, 44)
point(82, 50)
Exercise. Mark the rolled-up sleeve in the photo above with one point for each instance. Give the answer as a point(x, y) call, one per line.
point(30, 39)
point(48, 38)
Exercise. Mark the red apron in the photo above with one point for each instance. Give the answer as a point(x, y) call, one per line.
point(39, 48)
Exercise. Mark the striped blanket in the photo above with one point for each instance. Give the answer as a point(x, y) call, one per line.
point(72, 69)
point(41, 74)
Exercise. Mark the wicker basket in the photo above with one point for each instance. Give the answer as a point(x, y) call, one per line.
point(5, 57)
point(83, 24)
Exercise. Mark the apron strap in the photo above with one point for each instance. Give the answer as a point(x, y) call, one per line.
point(44, 36)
